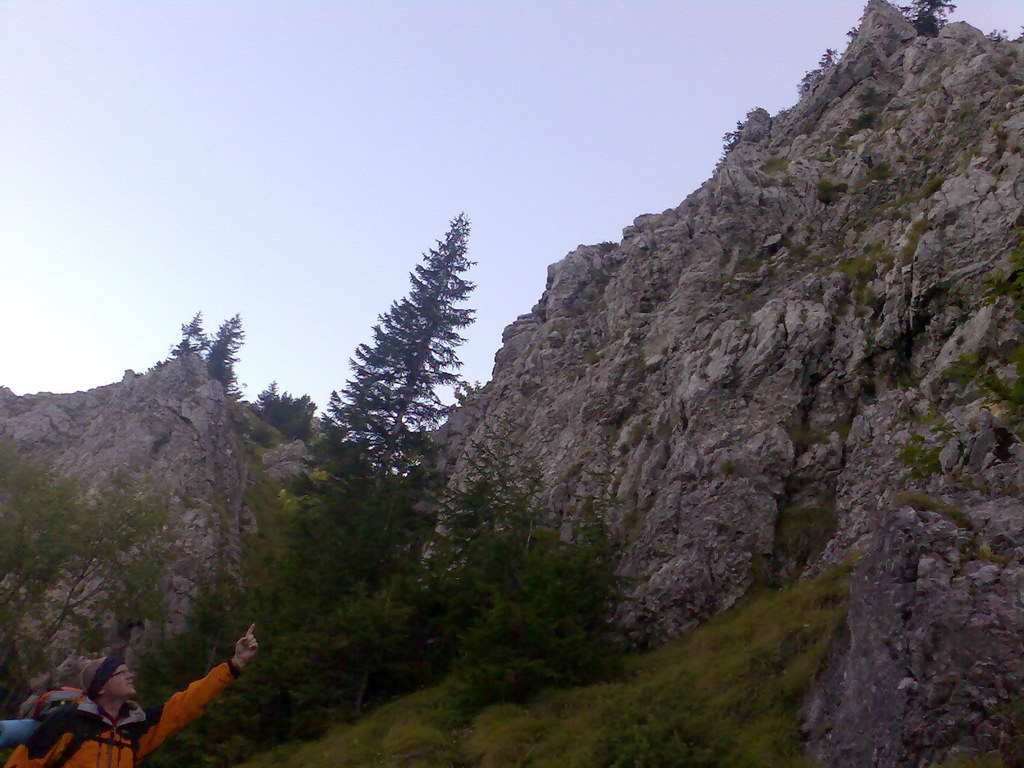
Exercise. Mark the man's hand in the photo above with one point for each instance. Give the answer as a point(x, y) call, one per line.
point(245, 648)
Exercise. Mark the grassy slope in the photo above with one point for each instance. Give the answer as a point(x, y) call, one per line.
point(726, 694)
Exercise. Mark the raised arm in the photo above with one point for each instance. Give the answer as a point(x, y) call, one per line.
point(185, 706)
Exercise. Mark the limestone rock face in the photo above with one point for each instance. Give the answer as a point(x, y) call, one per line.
point(286, 460)
point(933, 635)
point(171, 428)
point(755, 380)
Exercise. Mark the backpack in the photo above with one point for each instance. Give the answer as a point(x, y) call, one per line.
point(36, 709)
point(40, 706)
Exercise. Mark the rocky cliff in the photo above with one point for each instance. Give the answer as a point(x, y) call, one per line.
point(172, 430)
point(812, 358)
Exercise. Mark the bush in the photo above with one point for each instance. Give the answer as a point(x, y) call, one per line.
point(863, 121)
point(922, 459)
point(869, 98)
point(880, 171)
point(829, 192)
point(802, 532)
point(930, 187)
point(775, 165)
point(920, 226)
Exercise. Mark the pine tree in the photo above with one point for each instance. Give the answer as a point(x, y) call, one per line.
point(223, 354)
point(392, 397)
point(194, 340)
point(928, 16)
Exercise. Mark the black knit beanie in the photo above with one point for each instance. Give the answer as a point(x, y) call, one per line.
point(103, 673)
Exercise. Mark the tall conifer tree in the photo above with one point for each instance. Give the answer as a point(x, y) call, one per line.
point(392, 397)
point(223, 353)
point(194, 340)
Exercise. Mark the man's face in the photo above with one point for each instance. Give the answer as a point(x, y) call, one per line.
point(121, 684)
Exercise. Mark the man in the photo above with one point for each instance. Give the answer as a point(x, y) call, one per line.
point(106, 728)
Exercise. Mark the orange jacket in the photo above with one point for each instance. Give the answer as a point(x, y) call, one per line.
point(82, 736)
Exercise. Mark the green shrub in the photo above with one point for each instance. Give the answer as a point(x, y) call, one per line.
point(965, 368)
point(861, 269)
point(802, 532)
point(922, 459)
point(880, 171)
point(858, 269)
point(864, 120)
point(828, 192)
point(1010, 284)
point(544, 622)
point(67, 558)
point(870, 98)
point(930, 187)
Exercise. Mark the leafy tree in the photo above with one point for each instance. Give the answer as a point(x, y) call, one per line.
point(194, 340)
point(928, 16)
point(223, 354)
point(392, 397)
point(291, 416)
point(70, 565)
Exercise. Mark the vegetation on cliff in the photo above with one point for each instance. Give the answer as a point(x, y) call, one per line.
point(66, 559)
point(372, 579)
point(817, 354)
point(727, 694)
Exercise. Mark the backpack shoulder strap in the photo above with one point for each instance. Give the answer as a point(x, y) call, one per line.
point(77, 739)
point(50, 733)
point(79, 736)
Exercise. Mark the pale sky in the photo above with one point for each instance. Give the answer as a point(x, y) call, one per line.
point(290, 161)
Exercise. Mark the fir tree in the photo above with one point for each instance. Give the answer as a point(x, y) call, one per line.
point(928, 16)
point(291, 416)
point(529, 605)
point(223, 354)
point(392, 398)
point(194, 340)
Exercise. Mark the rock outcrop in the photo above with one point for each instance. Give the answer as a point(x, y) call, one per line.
point(170, 428)
point(808, 359)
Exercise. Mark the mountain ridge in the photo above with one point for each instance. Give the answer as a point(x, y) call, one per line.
point(801, 361)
